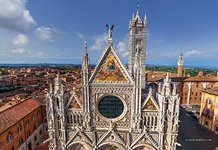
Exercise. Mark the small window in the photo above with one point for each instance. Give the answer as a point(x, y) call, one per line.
point(33, 117)
point(19, 129)
point(28, 134)
point(20, 141)
point(209, 101)
point(10, 137)
point(38, 113)
point(27, 122)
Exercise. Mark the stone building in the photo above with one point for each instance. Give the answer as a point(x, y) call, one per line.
point(209, 109)
point(114, 109)
point(22, 125)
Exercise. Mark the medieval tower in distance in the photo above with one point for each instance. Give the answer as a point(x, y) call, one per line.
point(180, 65)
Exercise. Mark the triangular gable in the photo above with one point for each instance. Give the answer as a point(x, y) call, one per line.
point(150, 104)
point(110, 69)
point(108, 135)
point(74, 103)
point(79, 136)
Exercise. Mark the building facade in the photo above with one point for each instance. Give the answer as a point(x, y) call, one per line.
point(114, 110)
point(22, 126)
point(209, 109)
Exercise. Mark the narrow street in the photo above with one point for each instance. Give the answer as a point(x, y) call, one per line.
point(193, 136)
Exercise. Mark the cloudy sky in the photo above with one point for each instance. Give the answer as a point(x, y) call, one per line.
point(53, 31)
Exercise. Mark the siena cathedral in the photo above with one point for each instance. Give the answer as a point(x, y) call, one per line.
point(116, 109)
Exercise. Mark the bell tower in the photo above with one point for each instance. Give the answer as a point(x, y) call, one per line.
point(180, 64)
point(137, 36)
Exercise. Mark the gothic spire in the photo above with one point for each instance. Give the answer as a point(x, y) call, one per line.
point(85, 48)
point(159, 87)
point(85, 57)
point(145, 19)
point(174, 89)
point(57, 82)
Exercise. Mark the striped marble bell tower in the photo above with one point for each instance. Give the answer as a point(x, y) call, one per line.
point(137, 40)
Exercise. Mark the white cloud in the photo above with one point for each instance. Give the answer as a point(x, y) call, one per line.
point(122, 47)
point(192, 53)
point(18, 51)
point(100, 42)
point(14, 15)
point(46, 33)
point(20, 40)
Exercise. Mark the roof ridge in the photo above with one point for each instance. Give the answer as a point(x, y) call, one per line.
point(16, 104)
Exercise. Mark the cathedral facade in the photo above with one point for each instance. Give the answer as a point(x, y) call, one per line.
point(116, 110)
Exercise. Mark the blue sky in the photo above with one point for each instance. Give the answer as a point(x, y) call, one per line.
point(53, 31)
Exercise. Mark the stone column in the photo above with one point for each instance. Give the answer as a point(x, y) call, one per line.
point(189, 92)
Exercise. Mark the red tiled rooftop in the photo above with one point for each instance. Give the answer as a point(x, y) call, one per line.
point(15, 113)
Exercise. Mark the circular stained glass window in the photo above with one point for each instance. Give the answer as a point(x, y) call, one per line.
point(110, 107)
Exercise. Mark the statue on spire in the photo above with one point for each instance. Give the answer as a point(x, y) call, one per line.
point(109, 29)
